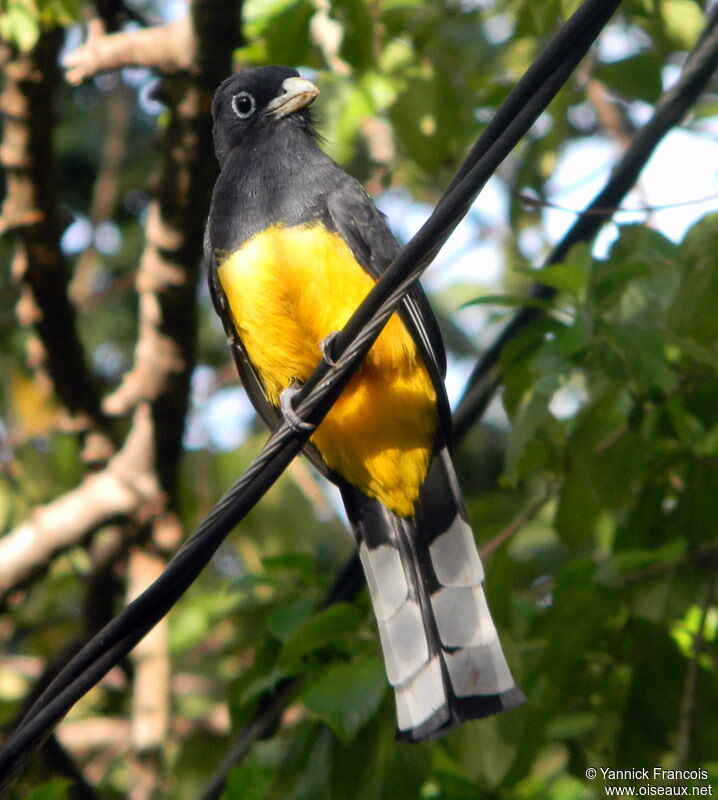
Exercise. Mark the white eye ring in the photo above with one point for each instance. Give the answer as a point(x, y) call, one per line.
point(244, 105)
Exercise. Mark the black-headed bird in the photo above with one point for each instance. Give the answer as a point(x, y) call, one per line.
point(294, 245)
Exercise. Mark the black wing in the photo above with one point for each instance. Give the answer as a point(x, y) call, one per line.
point(363, 227)
point(250, 380)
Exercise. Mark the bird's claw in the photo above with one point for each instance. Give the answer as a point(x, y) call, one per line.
point(295, 422)
point(326, 347)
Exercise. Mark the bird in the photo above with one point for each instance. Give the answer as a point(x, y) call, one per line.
point(293, 245)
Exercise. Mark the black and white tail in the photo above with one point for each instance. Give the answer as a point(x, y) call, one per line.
point(441, 649)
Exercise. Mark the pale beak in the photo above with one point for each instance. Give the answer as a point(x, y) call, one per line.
point(297, 93)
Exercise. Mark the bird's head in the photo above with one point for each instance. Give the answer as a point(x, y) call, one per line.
point(253, 101)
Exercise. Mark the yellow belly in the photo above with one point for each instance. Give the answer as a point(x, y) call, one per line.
point(288, 288)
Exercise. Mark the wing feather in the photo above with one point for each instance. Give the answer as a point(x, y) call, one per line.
point(363, 227)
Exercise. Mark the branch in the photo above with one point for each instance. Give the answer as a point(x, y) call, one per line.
point(127, 487)
point(104, 193)
point(528, 513)
point(610, 115)
point(31, 212)
point(257, 728)
point(197, 44)
point(165, 284)
point(167, 49)
point(156, 389)
point(669, 111)
point(169, 266)
point(83, 736)
point(327, 34)
point(151, 685)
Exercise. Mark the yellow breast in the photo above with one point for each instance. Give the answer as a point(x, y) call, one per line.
point(289, 288)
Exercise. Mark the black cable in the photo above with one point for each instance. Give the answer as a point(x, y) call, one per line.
point(517, 113)
point(568, 45)
point(312, 403)
point(669, 111)
point(472, 407)
point(553, 66)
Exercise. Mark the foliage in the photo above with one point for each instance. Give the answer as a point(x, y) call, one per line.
point(21, 21)
point(605, 594)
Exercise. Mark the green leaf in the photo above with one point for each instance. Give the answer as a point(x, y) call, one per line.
point(317, 768)
point(255, 777)
point(56, 789)
point(602, 470)
point(690, 429)
point(485, 767)
point(638, 76)
point(571, 726)
point(640, 274)
point(189, 626)
point(59, 12)
point(692, 313)
point(283, 622)
point(373, 766)
point(347, 695)
point(518, 357)
point(698, 500)
point(357, 22)
point(19, 26)
point(509, 300)
point(639, 356)
point(193, 618)
point(268, 680)
point(683, 20)
point(570, 276)
point(697, 623)
point(534, 413)
point(278, 32)
point(302, 563)
point(657, 670)
point(626, 562)
point(320, 631)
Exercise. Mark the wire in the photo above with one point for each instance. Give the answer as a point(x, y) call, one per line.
point(516, 115)
point(669, 111)
point(351, 580)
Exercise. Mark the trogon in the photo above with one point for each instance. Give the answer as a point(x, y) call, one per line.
point(294, 245)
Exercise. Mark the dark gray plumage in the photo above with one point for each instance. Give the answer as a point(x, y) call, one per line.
point(425, 577)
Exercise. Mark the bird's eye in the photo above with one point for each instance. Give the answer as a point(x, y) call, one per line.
point(244, 105)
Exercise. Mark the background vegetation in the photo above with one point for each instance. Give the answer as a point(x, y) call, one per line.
point(592, 487)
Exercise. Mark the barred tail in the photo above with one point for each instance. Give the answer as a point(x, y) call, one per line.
point(441, 650)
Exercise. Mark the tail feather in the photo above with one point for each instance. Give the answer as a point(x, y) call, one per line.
point(440, 645)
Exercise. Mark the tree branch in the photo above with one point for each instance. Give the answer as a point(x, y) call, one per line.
point(150, 714)
point(156, 389)
point(31, 212)
point(167, 49)
point(127, 487)
point(104, 193)
point(169, 266)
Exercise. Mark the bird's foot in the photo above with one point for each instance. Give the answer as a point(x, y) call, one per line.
point(326, 347)
point(286, 405)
